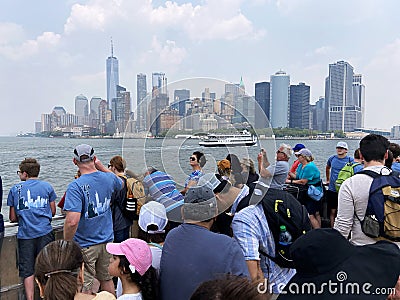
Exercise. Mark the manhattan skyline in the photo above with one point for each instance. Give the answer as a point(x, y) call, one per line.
point(50, 52)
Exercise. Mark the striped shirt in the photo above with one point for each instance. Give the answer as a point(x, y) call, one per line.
point(250, 229)
point(162, 188)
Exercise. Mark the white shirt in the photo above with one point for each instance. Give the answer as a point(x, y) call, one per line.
point(353, 198)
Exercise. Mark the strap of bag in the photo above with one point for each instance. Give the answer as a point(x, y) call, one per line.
point(371, 174)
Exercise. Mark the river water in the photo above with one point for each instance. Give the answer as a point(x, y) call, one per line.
point(171, 155)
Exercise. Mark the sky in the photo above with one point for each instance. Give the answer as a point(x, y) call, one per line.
point(52, 51)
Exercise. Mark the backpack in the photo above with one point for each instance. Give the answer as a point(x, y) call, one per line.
point(282, 208)
point(134, 199)
point(382, 217)
point(346, 172)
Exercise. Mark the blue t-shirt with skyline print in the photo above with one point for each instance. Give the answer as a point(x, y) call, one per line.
point(31, 201)
point(90, 195)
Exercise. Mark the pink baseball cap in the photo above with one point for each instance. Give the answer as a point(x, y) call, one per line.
point(136, 251)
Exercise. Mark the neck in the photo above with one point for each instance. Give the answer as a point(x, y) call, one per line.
point(128, 287)
point(195, 168)
point(206, 225)
point(373, 163)
point(87, 168)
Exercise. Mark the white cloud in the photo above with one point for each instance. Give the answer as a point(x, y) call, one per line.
point(323, 50)
point(166, 54)
point(11, 33)
point(46, 41)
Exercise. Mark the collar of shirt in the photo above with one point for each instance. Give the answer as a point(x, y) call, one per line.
point(243, 193)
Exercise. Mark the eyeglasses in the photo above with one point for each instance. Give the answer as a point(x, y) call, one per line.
point(192, 158)
point(278, 151)
point(109, 166)
point(19, 172)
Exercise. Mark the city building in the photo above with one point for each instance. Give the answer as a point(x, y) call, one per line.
point(112, 71)
point(343, 109)
point(159, 84)
point(319, 116)
point(263, 99)
point(299, 106)
point(141, 103)
point(82, 109)
point(279, 109)
point(359, 95)
point(181, 97)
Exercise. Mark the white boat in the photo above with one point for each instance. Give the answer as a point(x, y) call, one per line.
point(220, 140)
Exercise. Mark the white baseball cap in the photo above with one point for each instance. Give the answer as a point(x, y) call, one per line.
point(153, 213)
point(342, 145)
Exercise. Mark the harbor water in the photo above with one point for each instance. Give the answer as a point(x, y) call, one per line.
point(171, 155)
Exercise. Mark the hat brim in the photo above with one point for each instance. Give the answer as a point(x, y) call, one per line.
point(114, 249)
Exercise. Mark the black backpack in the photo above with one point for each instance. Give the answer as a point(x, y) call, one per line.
point(282, 208)
point(382, 217)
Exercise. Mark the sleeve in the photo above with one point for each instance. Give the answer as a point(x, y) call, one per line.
point(1, 192)
point(329, 162)
point(73, 198)
point(345, 214)
point(52, 194)
point(308, 173)
point(246, 237)
point(10, 198)
point(238, 264)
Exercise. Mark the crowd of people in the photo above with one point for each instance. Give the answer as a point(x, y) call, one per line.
point(209, 240)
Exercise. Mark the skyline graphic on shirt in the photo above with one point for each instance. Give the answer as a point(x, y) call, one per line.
point(30, 202)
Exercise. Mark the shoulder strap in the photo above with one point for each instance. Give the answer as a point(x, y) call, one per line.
point(155, 245)
point(369, 173)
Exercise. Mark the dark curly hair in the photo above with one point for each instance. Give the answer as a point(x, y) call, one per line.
point(148, 283)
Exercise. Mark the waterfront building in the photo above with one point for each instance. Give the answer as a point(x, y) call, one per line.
point(395, 132)
point(181, 98)
point(59, 110)
point(121, 109)
point(359, 95)
point(262, 97)
point(94, 107)
point(112, 71)
point(343, 109)
point(82, 109)
point(208, 100)
point(299, 106)
point(159, 84)
point(141, 103)
point(279, 109)
point(157, 105)
point(319, 116)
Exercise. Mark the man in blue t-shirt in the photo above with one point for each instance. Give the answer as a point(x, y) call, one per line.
point(192, 253)
point(333, 166)
point(88, 215)
point(32, 205)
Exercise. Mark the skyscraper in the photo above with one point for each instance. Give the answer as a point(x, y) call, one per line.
point(81, 109)
point(141, 107)
point(262, 96)
point(343, 111)
point(181, 97)
point(279, 111)
point(359, 95)
point(299, 112)
point(159, 84)
point(112, 76)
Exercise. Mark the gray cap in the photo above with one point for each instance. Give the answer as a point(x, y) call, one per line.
point(304, 152)
point(84, 153)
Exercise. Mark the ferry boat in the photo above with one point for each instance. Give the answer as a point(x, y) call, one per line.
point(245, 138)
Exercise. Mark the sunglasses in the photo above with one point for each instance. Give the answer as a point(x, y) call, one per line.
point(192, 158)
point(19, 172)
point(109, 166)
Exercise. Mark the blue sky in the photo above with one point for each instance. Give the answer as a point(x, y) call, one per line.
point(51, 51)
